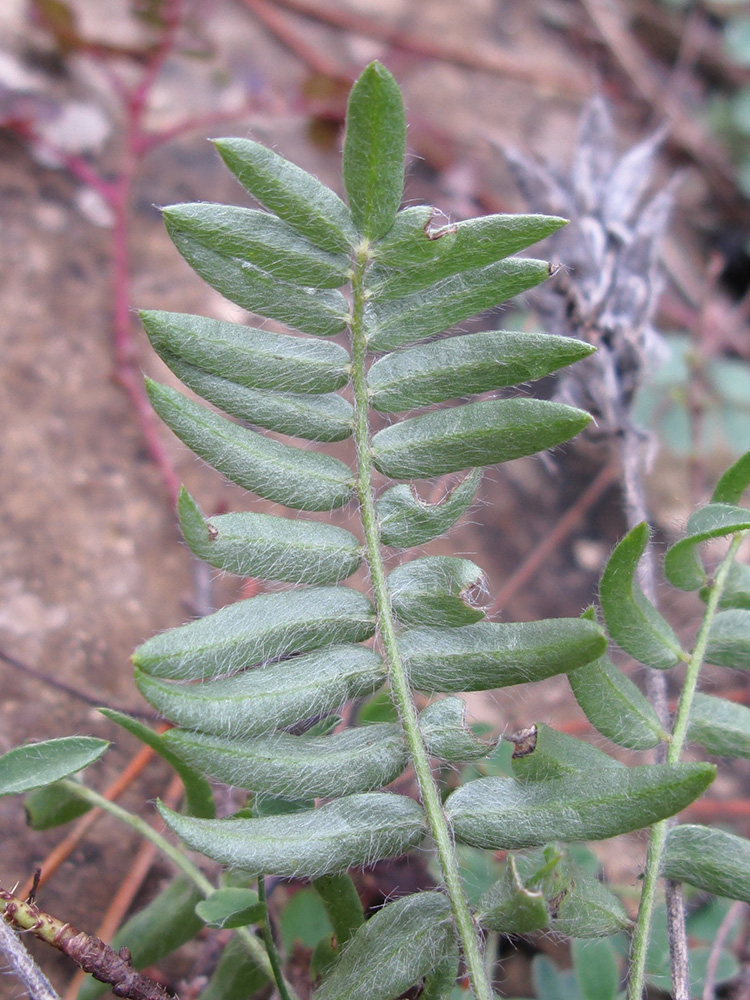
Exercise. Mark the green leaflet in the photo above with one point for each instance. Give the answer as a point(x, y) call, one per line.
point(729, 640)
point(460, 366)
point(503, 813)
point(236, 977)
point(597, 970)
point(315, 418)
point(342, 903)
point(449, 301)
point(200, 800)
point(682, 564)
point(158, 929)
point(511, 907)
point(259, 238)
point(632, 620)
point(446, 735)
point(302, 479)
point(271, 697)
point(734, 482)
point(405, 520)
point(258, 359)
point(53, 805)
point(736, 592)
point(25, 768)
point(709, 859)
point(231, 907)
point(545, 889)
point(482, 433)
point(262, 628)
point(321, 312)
point(437, 590)
point(350, 832)
point(402, 943)
point(615, 706)
point(415, 254)
point(354, 760)
point(493, 654)
point(721, 727)
point(291, 193)
point(374, 150)
point(270, 547)
point(542, 753)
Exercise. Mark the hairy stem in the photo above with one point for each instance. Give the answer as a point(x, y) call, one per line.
point(400, 691)
point(271, 949)
point(659, 831)
point(22, 965)
point(183, 864)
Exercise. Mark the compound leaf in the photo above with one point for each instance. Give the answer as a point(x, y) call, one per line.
point(231, 906)
point(446, 735)
point(542, 753)
point(729, 640)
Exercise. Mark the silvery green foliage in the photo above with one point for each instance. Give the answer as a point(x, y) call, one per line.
point(608, 286)
point(251, 688)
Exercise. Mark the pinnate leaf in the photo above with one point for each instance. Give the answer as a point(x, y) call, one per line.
point(36, 764)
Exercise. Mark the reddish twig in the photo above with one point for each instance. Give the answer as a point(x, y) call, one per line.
point(539, 555)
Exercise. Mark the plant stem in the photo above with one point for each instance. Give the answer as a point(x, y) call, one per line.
point(400, 691)
point(178, 859)
point(659, 830)
point(271, 949)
